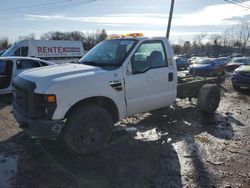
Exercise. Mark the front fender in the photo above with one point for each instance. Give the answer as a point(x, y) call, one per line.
point(71, 92)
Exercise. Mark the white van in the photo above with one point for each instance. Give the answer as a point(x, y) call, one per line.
point(58, 51)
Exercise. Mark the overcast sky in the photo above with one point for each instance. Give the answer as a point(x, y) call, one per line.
point(191, 17)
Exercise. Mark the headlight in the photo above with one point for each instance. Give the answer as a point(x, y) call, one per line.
point(236, 71)
point(45, 105)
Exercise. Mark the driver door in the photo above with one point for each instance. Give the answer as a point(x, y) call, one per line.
point(5, 74)
point(151, 85)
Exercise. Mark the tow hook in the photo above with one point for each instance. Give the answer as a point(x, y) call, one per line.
point(57, 128)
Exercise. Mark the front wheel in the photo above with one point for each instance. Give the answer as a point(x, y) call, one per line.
point(209, 98)
point(88, 129)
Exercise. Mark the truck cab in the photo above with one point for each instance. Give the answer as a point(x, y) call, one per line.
point(81, 102)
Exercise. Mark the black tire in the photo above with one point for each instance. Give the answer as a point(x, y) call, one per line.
point(209, 98)
point(236, 88)
point(88, 129)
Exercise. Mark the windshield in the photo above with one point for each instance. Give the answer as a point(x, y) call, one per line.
point(205, 61)
point(109, 52)
point(247, 62)
point(9, 51)
point(240, 60)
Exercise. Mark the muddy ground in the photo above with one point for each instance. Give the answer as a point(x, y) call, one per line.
point(171, 147)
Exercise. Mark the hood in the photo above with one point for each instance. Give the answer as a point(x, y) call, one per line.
point(244, 68)
point(56, 71)
point(47, 75)
point(234, 63)
point(200, 66)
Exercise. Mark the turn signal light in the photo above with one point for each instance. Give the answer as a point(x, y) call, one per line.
point(50, 98)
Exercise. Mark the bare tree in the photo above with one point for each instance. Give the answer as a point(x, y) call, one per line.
point(88, 39)
point(76, 35)
point(30, 36)
point(177, 48)
point(228, 38)
point(217, 42)
point(243, 35)
point(101, 35)
point(199, 38)
point(186, 49)
point(4, 43)
point(54, 35)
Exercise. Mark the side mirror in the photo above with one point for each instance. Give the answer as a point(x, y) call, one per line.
point(18, 64)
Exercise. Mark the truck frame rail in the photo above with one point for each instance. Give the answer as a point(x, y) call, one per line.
point(189, 86)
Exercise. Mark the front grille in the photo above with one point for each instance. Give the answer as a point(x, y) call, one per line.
point(23, 92)
point(20, 97)
point(30, 104)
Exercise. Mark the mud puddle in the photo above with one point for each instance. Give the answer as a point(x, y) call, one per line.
point(8, 168)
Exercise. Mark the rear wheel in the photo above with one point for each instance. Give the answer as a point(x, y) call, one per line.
point(88, 129)
point(209, 98)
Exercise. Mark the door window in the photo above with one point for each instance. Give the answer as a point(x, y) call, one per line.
point(26, 64)
point(149, 55)
point(43, 64)
point(23, 51)
point(3, 65)
point(17, 52)
point(5, 74)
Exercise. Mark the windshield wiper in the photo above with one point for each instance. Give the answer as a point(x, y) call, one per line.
point(92, 63)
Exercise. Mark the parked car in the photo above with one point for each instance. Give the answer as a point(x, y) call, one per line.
point(207, 67)
point(193, 59)
point(236, 55)
point(181, 63)
point(10, 67)
point(241, 76)
point(235, 63)
point(225, 59)
point(185, 56)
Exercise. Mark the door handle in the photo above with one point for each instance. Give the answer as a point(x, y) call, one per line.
point(117, 85)
point(170, 76)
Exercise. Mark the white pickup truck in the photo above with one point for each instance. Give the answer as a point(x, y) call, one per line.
point(117, 78)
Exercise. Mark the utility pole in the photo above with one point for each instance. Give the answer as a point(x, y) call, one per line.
point(170, 18)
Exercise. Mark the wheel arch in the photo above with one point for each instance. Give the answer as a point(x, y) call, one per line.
point(102, 101)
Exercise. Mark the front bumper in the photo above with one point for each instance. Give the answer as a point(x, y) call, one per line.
point(36, 128)
point(241, 81)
